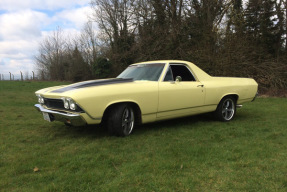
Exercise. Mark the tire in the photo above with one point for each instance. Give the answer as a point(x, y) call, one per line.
point(226, 109)
point(121, 120)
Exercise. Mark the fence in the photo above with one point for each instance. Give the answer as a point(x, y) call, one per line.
point(18, 77)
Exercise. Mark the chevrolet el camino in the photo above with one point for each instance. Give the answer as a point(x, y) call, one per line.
point(143, 93)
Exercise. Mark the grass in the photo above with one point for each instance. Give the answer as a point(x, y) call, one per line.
point(188, 154)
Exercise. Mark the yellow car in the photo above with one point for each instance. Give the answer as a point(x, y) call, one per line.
point(146, 92)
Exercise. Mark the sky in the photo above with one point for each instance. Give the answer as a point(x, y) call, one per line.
point(23, 24)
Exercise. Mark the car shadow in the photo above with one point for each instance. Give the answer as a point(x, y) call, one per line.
point(99, 131)
point(175, 123)
point(88, 131)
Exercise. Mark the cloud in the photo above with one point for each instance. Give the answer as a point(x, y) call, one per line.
point(24, 24)
point(17, 49)
point(19, 35)
point(15, 66)
point(40, 4)
point(76, 17)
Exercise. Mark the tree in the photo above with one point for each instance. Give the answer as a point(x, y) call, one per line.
point(116, 19)
point(87, 43)
point(51, 55)
point(263, 26)
point(101, 68)
point(223, 37)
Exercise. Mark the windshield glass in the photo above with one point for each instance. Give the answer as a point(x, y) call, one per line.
point(150, 72)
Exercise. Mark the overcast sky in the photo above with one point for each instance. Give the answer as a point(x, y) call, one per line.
point(23, 24)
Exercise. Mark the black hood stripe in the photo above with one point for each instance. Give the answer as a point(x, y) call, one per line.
point(92, 84)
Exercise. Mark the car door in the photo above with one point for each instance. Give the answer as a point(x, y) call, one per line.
point(179, 97)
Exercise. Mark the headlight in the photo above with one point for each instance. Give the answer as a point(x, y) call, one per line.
point(40, 99)
point(66, 104)
point(69, 103)
point(72, 105)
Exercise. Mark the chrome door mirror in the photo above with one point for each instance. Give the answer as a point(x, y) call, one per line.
point(178, 79)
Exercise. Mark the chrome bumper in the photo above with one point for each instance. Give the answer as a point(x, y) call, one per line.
point(68, 118)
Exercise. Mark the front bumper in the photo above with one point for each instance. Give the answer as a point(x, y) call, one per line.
point(68, 118)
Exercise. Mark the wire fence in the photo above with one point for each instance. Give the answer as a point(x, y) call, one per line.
point(18, 77)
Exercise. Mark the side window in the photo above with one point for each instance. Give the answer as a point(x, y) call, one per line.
point(168, 76)
point(183, 71)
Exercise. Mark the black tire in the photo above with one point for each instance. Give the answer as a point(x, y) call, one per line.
point(226, 109)
point(121, 120)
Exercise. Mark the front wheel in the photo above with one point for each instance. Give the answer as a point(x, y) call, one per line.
point(226, 109)
point(121, 120)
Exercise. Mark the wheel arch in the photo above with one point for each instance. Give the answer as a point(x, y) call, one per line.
point(134, 105)
point(234, 95)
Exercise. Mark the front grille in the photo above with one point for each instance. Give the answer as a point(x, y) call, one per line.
point(54, 103)
point(59, 104)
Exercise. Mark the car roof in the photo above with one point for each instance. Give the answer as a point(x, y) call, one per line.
point(161, 61)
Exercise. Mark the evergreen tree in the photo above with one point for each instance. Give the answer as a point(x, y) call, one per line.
point(78, 69)
point(261, 26)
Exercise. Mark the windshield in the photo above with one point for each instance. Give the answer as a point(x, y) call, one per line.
point(150, 72)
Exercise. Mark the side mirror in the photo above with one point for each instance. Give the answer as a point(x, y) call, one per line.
point(178, 79)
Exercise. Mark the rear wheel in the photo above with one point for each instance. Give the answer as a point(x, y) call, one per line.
point(121, 120)
point(226, 109)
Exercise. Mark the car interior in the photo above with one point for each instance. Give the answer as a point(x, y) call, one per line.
point(178, 70)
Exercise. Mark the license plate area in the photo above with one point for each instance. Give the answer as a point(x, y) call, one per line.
point(46, 116)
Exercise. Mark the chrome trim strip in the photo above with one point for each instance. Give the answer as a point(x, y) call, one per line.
point(42, 109)
point(187, 108)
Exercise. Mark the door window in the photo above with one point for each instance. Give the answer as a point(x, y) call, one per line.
point(175, 70)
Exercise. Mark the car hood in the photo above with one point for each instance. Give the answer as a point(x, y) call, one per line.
point(56, 91)
point(92, 83)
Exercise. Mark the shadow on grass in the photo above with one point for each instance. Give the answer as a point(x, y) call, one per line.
point(176, 123)
point(99, 131)
point(89, 131)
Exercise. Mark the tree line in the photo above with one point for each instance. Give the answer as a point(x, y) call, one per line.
point(223, 37)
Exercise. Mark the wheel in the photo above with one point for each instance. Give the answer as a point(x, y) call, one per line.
point(121, 120)
point(226, 109)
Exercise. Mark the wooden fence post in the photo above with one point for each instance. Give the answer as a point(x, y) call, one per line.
point(21, 76)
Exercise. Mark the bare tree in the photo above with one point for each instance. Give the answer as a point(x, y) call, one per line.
point(50, 56)
point(117, 20)
point(87, 43)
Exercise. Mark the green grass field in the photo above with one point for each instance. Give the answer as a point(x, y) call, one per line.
point(188, 154)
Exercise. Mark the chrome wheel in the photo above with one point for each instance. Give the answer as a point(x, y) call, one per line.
point(128, 120)
point(121, 119)
point(228, 109)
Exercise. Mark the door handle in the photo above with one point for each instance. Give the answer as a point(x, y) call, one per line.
point(200, 85)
